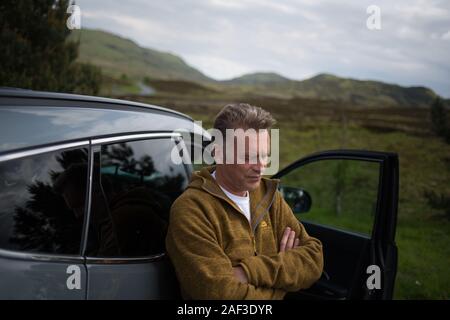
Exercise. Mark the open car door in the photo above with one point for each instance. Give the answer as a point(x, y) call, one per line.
point(348, 200)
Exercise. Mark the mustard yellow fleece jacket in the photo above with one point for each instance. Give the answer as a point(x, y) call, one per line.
point(208, 235)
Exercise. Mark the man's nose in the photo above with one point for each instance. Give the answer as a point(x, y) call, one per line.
point(259, 167)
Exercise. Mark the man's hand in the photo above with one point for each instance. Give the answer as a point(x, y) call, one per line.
point(288, 241)
point(240, 274)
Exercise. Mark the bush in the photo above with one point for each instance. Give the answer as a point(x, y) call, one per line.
point(439, 119)
point(439, 202)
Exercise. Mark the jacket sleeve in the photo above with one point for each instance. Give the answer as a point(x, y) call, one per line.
point(294, 269)
point(202, 267)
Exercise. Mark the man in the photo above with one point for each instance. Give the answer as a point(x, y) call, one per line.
point(231, 234)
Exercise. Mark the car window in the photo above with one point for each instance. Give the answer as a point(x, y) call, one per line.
point(343, 193)
point(198, 153)
point(42, 201)
point(134, 185)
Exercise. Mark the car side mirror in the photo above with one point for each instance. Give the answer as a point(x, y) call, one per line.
point(298, 199)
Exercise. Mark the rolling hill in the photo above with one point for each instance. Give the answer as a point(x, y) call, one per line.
point(118, 56)
point(126, 65)
point(260, 78)
point(330, 87)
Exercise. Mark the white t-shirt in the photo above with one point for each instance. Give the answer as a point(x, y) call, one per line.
point(242, 202)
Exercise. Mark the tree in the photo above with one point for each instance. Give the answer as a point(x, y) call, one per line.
point(439, 201)
point(35, 51)
point(439, 119)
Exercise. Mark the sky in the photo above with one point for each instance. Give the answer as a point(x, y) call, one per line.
point(296, 39)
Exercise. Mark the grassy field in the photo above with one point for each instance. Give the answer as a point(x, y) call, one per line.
point(307, 126)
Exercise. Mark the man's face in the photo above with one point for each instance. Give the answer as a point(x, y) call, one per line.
point(249, 161)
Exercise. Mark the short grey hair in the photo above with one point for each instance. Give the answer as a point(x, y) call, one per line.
point(244, 116)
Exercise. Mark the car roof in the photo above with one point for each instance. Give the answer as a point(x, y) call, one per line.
point(31, 118)
point(27, 93)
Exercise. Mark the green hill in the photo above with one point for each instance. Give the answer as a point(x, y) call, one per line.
point(118, 56)
point(362, 92)
point(127, 66)
point(264, 78)
point(330, 87)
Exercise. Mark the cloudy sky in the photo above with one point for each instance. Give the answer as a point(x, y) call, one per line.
point(297, 39)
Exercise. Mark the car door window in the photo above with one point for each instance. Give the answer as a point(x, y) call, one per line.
point(42, 202)
point(134, 185)
point(198, 153)
point(343, 193)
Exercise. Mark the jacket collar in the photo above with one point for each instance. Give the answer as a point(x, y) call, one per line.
point(261, 199)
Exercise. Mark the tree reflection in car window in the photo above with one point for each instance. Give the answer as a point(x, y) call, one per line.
point(38, 211)
point(134, 185)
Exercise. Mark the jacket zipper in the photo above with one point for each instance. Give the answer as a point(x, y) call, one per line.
point(252, 232)
point(259, 220)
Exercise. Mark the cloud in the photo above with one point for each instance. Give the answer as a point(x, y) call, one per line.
point(227, 4)
point(221, 68)
point(446, 36)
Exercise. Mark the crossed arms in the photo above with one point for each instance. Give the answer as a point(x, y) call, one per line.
point(287, 242)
